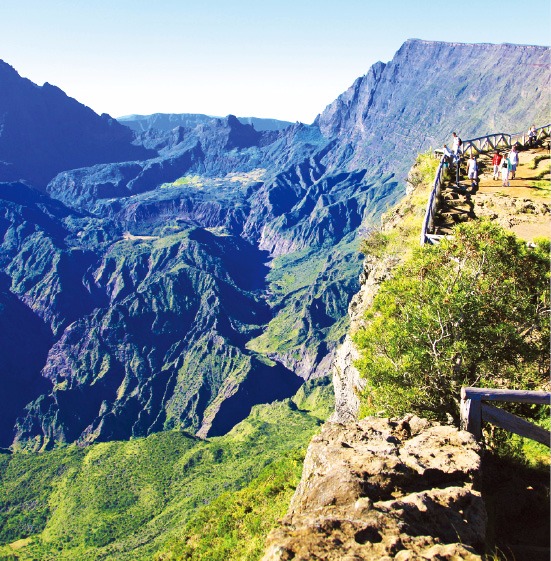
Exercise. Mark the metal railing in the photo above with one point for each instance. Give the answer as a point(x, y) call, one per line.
point(501, 140)
point(479, 145)
point(427, 234)
point(474, 411)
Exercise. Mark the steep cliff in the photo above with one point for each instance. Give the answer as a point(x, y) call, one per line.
point(430, 89)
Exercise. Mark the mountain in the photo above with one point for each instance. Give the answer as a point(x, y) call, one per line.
point(430, 89)
point(169, 121)
point(43, 131)
point(179, 289)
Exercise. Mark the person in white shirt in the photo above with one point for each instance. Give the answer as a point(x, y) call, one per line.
point(532, 134)
point(456, 145)
point(513, 159)
point(472, 170)
point(505, 168)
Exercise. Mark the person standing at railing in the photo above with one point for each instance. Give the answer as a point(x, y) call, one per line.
point(513, 159)
point(447, 156)
point(456, 144)
point(456, 149)
point(496, 162)
point(532, 136)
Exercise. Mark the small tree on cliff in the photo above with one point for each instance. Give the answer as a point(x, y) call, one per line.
point(473, 310)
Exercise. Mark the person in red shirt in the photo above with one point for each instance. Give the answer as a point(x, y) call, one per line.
point(496, 161)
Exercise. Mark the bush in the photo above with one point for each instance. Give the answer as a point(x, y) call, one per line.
point(472, 311)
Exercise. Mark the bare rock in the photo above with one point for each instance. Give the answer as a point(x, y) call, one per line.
point(385, 489)
point(346, 378)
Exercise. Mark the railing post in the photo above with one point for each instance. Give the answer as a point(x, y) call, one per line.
point(471, 414)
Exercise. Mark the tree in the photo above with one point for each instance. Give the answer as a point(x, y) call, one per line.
point(473, 310)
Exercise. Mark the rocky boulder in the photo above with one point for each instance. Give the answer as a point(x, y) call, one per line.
point(383, 489)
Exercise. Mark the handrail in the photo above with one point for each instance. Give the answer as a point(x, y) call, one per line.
point(428, 222)
point(474, 411)
point(501, 140)
point(485, 143)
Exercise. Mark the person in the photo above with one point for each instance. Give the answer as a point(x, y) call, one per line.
point(496, 161)
point(505, 169)
point(513, 160)
point(532, 135)
point(472, 170)
point(456, 144)
point(447, 156)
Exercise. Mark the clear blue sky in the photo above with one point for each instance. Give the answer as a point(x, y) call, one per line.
point(285, 59)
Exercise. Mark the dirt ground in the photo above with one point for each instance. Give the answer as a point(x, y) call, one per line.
point(524, 207)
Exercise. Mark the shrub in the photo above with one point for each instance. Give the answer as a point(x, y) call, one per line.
point(470, 311)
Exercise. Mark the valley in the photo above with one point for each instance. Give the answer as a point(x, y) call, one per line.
point(172, 298)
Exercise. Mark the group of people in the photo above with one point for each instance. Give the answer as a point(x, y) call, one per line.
point(504, 164)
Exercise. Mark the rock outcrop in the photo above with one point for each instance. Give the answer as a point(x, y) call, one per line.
point(381, 489)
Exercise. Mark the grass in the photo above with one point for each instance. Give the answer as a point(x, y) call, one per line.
point(544, 186)
point(539, 158)
point(543, 173)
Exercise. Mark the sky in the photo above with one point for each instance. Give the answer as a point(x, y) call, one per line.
point(284, 59)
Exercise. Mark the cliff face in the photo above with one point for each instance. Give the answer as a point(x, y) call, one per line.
point(381, 489)
point(346, 378)
point(430, 89)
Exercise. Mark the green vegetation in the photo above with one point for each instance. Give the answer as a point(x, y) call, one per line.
point(424, 169)
point(470, 311)
point(539, 158)
point(234, 525)
point(129, 500)
point(296, 281)
point(543, 173)
point(317, 397)
point(544, 186)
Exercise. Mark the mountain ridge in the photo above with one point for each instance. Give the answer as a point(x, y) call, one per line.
point(169, 121)
point(43, 131)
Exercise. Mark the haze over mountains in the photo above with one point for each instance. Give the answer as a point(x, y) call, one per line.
point(168, 121)
point(174, 277)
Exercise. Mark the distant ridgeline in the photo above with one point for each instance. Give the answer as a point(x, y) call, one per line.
point(176, 276)
point(169, 121)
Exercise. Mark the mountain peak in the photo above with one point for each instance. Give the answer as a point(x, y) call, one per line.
point(44, 131)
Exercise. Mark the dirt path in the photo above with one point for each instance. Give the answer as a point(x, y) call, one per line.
point(524, 207)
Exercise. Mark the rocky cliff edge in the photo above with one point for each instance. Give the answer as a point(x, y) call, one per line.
point(381, 489)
